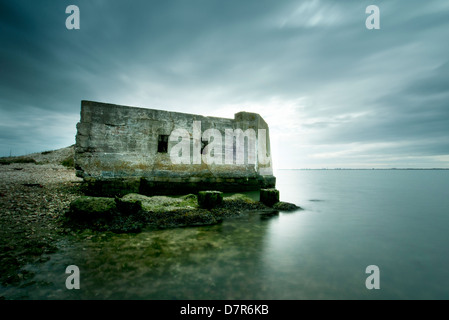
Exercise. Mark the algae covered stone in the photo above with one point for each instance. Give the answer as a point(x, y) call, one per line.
point(286, 206)
point(128, 205)
point(160, 203)
point(209, 199)
point(269, 197)
point(92, 206)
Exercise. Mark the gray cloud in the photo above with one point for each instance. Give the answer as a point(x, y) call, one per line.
point(355, 86)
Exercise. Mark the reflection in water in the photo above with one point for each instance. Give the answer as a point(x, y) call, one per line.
point(395, 219)
point(211, 262)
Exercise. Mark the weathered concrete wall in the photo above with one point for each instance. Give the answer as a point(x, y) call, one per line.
point(117, 151)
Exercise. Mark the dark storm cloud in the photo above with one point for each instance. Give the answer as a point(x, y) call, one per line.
point(418, 114)
point(357, 86)
point(393, 88)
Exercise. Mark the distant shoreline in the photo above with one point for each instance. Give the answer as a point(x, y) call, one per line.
point(341, 169)
point(59, 155)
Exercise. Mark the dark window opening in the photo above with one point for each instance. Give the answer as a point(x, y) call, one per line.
point(204, 143)
point(162, 144)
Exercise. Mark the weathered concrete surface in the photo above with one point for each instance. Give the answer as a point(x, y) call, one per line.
point(118, 151)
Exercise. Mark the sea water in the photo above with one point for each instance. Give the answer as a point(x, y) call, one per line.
point(397, 220)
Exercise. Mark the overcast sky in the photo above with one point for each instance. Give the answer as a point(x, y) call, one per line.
point(334, 93)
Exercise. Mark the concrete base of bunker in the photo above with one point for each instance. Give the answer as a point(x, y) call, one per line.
point(119, 187)
point(111, 187)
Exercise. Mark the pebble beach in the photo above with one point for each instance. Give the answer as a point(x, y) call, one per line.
point(33, 196)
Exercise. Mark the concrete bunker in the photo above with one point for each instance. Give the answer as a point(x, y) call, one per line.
point(121, 149)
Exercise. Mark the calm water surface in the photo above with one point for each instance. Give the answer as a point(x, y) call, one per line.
point(395, 219)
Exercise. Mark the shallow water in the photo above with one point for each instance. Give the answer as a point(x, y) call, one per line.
point(395, 219)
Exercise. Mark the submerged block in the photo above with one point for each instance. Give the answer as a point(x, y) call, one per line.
point(286, 206)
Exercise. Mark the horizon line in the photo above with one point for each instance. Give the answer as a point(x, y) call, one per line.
point(392, 168)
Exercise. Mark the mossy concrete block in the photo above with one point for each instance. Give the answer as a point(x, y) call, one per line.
point(269, 197)
point(209, 199)
point(161, 203)
point(128, 206)
point(92, 206)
